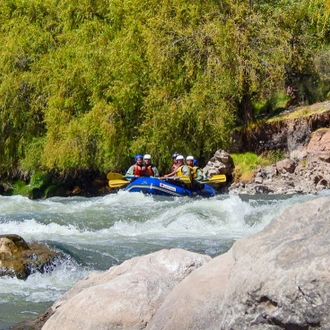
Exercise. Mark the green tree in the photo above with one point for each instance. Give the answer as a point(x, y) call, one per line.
point(86, 85)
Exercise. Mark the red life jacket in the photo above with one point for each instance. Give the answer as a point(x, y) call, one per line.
point(139, 170)
point(150, 170)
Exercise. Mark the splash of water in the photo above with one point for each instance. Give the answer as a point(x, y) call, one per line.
point(96, 233)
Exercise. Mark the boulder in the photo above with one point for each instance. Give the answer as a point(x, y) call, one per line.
point(19, 259)
point(298, 134)
point(286, 166)
point(126, 296)
point(267, 173)
point(319, 146)
point(195, 302)
point(220, 163)
point(275, 279)
point(298, 154)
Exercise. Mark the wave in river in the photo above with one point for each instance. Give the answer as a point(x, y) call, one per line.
point(97, 233)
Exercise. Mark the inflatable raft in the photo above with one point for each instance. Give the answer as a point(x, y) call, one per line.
point(154, 186)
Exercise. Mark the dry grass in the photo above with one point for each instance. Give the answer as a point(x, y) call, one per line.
point(302, 111)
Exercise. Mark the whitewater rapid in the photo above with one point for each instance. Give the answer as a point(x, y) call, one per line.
point(97, 233)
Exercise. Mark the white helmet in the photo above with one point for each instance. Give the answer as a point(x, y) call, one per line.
point(147, 156)
point(179, 157)
point(190, 158)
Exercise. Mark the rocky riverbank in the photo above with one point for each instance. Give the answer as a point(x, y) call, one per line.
point(307, 174)
point(303, 135)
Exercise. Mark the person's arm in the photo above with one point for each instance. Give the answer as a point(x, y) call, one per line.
point(129, 174)
point(168, 175)
point(156, 172)
point(199, 175)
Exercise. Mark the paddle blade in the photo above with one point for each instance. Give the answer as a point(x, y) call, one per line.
point(118, 183)
point(218, 178)
point(115, 176)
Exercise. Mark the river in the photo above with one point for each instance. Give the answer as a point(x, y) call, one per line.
point(97, 233)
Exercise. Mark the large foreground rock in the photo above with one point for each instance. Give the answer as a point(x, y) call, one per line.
point(125, 297)
point(276, 279)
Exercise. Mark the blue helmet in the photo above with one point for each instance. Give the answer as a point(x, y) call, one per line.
point(175, 155)
point(138, 156)
point(195, 162)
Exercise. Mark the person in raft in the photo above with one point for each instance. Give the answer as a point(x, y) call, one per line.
point(138, 169)
point(181, 170)
point(151, 168)
point(175, 164)
point(196, 172)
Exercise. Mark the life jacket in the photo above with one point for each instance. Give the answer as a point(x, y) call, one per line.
point(193, 172)
point(139, 170)
point(150, 170)
point(179, 170)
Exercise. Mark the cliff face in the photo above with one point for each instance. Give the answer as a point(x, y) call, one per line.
point(288, 132)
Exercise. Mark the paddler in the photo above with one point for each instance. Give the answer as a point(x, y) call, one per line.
point(175, 164)
point(138, 169)
point(151, 168)
point(196, 172)
point(181, 170)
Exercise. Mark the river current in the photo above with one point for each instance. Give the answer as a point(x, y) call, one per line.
point(97, 233)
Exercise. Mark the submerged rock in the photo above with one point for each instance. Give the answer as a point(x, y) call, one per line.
point(19, 259)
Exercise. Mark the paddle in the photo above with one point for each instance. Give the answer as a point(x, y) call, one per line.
point(115, 176)
point(119, 180)
point(218, 178)
point(118, 183)
point(184, 179)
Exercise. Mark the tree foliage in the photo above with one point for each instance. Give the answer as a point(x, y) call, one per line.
point(86, 85)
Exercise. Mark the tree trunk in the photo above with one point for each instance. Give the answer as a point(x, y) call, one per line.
point(245, 110)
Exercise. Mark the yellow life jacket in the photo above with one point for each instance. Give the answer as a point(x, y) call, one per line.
point(179, 170)
point(193, 172)
point(195, 168)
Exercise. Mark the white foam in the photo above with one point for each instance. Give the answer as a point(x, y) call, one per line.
point(117, 226)
point(42, 287)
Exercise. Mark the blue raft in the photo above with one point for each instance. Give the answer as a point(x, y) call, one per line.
point(156, 186)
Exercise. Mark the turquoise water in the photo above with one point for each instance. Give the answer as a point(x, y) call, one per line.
point(97, 233)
